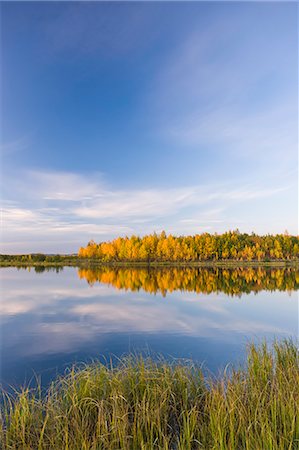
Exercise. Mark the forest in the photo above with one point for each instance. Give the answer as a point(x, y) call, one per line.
point(231, 245)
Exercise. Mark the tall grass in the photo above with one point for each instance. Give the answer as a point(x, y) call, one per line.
point(142, 404)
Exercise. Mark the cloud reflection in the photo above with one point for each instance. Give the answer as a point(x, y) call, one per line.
point(53, 313)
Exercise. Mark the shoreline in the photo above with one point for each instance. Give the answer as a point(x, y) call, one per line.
point(152, 264)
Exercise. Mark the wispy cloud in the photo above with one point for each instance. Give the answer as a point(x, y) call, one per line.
point(49, 209)
point(221, 90)
point(188, 110)
point(260, 136)
point(22, 143)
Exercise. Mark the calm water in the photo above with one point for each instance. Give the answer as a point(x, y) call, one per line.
point(51, 319)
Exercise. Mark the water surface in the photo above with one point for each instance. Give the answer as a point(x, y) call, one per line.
point(53, 318)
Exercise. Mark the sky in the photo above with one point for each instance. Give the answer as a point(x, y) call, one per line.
point(122, 118)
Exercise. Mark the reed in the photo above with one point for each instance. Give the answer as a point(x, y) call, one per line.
point(143, 404)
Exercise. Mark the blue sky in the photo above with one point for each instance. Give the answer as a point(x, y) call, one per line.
point(121, 118)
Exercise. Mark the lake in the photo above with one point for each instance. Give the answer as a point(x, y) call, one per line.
point(54, 317)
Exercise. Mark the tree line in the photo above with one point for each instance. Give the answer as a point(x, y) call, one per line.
point(231, 245)
point(38, 259)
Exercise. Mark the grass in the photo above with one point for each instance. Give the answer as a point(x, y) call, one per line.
point(142, 404)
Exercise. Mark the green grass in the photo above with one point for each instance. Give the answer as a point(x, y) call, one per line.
point(142, 404)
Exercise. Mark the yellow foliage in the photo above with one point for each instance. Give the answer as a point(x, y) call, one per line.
point(202, 247)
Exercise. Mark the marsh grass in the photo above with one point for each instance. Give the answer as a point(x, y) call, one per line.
point(142, 404)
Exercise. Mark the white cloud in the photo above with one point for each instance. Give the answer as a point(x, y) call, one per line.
point(58, 186)
point(61, 211)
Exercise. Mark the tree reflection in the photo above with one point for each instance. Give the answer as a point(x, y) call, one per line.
point(231, 281)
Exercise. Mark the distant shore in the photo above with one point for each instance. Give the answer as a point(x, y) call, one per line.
point(73, 261)
point(230, 249)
